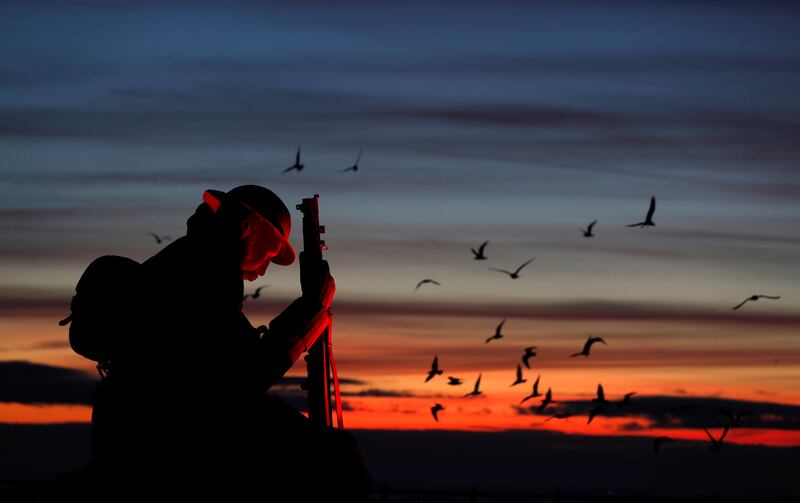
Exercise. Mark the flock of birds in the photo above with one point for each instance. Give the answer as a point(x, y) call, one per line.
point(599, 403)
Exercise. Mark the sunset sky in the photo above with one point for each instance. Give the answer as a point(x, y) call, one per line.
point(513, 122)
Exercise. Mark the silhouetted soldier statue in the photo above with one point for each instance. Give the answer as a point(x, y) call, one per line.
point(182, 409)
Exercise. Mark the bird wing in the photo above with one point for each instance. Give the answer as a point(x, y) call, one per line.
point(288, 169)
point(519, 372)
point(640, 224)
point(770, 296)
point(434, 282)
point(523, 265)
point(724, 432)
point(481, 248)
point(741, 304)
point(601, 396)
point(419, 284)
point(536, 385)
point(587, 345)
point(652, 209)
point(358, 157)
point(478, 383)
point(591, 225)
point(297, 156)
point(435, 365)
point(500, 270)
point(500, 326)
point(709, 436)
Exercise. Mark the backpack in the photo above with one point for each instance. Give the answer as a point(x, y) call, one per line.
point(105, 298)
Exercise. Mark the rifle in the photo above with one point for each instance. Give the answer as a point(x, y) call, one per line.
point(320, 365)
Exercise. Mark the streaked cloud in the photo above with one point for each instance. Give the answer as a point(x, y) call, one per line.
point(34, 383)
point(684, 412)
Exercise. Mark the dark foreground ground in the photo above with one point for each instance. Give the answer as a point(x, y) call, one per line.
point(524, 461)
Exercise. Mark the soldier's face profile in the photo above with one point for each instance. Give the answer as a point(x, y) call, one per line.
point(260, 246)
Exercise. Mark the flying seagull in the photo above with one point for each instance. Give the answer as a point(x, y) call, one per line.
point(515, 274)
point(600, 402)
point(716, 445)
point(648, 220)
point(586, 347)
point(479, 254)
point(159, 239)
point(454, 381)
point(476, 391)
point(354, 167)
point(424, 281)
point(626, 400)
point(755, 298)
point(535, 392)
point(434, 371)
point(435, 411)
point(594, 412)
point(529, 353)
point(255, 294)
point(601, 397)
point(548, 399)
point(519, 380)
point(497, 334)
point(587, 232)
point(296, 165)
point(658, 441)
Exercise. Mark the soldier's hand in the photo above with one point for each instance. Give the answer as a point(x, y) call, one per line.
point(316, 281)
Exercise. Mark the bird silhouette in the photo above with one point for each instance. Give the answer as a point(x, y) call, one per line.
point(587, 232)
point(600, 400)
point(535, 392)
point(479, 254)
point(586, 347)
point(497, 334)
point(159, 239)
point(434, 371)
point(648, 220)
point(658, 441)
point(296, 165)
point(426, 280)
point(255, 294)
point(548, 399)
point(561, 415)
point(454, 381)
point(716, 445)
point(354, 167)
point(529, 353)
point(519, 379)
point(476, 391)
point(755, 298)
point(515, 274)
point(734, 418)
point(593, 413)
point(435, 411)
point(626, 400)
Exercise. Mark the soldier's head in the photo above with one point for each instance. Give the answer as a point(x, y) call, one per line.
point(265, 226)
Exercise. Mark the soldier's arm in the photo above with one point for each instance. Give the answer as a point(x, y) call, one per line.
point(295, 330)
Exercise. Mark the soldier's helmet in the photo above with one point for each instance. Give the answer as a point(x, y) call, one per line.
point(264, 203)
